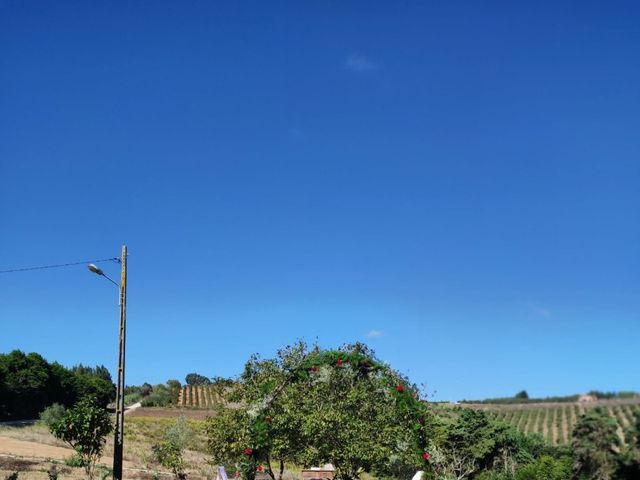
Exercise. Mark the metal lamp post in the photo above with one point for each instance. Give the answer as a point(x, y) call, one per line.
point(118, 441)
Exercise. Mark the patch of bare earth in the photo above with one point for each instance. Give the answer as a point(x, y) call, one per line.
point(170, 413)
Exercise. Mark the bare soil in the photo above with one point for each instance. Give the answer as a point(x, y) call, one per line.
point(170, 413)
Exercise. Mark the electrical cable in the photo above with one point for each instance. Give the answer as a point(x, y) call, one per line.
point(42, 267)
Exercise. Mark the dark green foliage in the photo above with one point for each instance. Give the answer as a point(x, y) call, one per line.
point(135, 393)
point(94, 382)
point(145, 389)
point(174, 387)
point(161, 395)
point(196, 379)
point(84, 427)
point(607, 395)
point(594, 445)
point(27, 387)
point(629, 459)
point(546, 468)
point(28, 384)
point(522, 395)
point(12, 476)
point(474, 442)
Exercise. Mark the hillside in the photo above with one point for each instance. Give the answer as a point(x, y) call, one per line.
point(555, 421)
point(199, 396)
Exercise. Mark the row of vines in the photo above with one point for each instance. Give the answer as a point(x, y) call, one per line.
point(556, 423)
point(199, 396)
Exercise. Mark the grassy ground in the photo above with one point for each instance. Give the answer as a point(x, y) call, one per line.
point(140, 434)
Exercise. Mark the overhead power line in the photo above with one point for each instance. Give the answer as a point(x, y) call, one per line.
point(59, 265)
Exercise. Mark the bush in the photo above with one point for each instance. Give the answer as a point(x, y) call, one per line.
point(84, 427)
point(52, 414)
point(75, 461)
point(52, 473)
point(161, 396)
point(169, 451)
point(132, 398)
point(546, 468)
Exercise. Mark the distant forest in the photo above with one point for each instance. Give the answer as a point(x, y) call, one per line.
point(29, 384)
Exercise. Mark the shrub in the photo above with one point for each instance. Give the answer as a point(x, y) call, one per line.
point(52, 473)
point(546, 468)
point(169, 451)
point(161, 396)
point(75, 461)
point(132, 398)
point(52, 414)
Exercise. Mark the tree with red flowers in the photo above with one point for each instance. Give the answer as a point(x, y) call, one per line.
point(311, 407)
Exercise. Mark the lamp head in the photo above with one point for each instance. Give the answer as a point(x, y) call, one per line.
point(95, 269)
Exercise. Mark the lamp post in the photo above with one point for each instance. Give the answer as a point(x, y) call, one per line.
point(118, 440)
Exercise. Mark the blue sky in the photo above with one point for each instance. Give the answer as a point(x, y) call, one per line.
point(453, 183)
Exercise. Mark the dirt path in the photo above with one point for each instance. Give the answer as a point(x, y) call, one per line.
point(132, 408)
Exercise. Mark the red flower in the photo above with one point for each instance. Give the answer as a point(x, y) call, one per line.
point(400, 388)
point(248, 451)
point(425, 455)
point(339, 362)
point(259, 468)
point(314, 369)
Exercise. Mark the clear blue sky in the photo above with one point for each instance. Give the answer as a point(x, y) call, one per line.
point(455, 183)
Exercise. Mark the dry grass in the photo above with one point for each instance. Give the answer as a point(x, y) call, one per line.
point(37, 432)
point(140, 435)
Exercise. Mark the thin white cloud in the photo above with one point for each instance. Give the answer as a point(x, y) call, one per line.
point(359, 63)
point(540, 310)
point(374, 334)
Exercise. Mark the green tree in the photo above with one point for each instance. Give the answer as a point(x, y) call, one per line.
point(196, 379)
point(465, 446)
point(174, 387)
point(594, 445)
point(25, 380)
point(229, 436)
point(312, 407)
point(94, 382)
point(522, 395)
point(84, 427)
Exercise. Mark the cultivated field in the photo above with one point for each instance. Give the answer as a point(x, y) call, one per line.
point(555, 421)
point(199, 396)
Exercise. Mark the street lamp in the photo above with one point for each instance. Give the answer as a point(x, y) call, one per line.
point(119, 430)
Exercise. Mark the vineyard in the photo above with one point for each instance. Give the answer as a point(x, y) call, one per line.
point(555, 421)
point(199, 396)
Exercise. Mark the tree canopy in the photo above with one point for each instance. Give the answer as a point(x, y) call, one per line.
point(28, 384)
point(196, 379)
point(339, 406)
